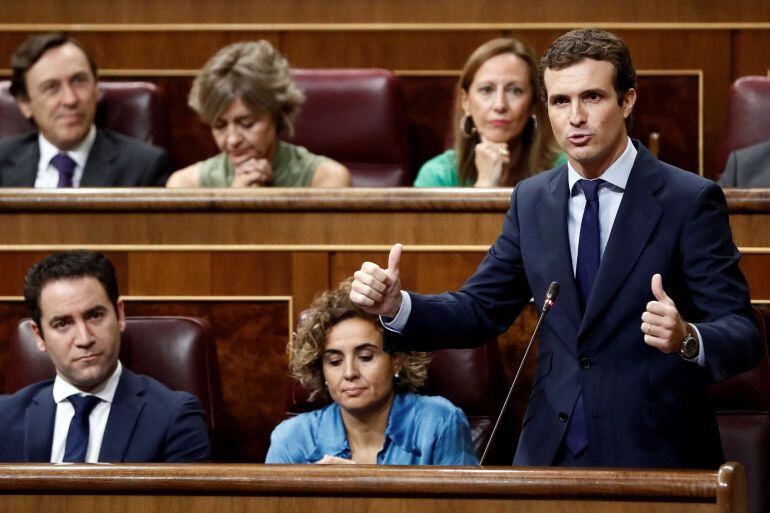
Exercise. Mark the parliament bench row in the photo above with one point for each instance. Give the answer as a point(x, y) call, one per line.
point(181, 352)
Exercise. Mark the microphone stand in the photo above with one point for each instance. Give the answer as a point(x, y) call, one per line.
point(550, 297)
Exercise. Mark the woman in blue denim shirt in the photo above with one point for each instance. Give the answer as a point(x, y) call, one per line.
point(375, 416)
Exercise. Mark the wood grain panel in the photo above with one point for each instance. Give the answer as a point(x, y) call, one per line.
point(310, 275)
point(754, 267)
point(282, 228)
point(366, 488)
point(582, 12)
point(286, 504)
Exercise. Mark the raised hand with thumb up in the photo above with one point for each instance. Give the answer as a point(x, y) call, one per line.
point(376, 290)
point(662, 325)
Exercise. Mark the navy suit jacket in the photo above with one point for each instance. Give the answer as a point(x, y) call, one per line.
point(643, 408)
point(115, 160)
point(147, 423)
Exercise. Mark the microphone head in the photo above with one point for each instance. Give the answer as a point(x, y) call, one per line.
point(553, 291)
point(550, 296)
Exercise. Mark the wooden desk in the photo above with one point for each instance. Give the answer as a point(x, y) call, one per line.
point(364, 488)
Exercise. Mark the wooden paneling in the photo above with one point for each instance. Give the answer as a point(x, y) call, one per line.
point(750, 55)
point(584, 12)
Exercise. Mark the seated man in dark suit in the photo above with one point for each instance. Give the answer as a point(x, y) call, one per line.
point(95, 410)
point(748, 167)
point(55, 85)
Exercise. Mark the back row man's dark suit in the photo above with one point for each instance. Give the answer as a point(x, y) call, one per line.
point(748, 167)
point(643, 408)
point(115, 160)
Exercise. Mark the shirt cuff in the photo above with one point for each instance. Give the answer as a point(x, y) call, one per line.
point(398, 323)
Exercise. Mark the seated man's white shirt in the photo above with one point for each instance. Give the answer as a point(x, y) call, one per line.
point(97, 420)
point(47, 175)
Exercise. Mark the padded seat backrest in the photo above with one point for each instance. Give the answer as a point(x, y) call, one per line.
point(177, 351)
point(748, 116)
point(136, 109)
point(357, 117)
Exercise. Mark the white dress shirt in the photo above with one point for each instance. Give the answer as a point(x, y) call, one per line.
point(610, 196)
point(97, 421)
point(47, 175)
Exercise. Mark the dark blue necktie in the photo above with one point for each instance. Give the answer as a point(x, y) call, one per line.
point(66, 168)
point(77, 436)
point(589, 245)
point(589, 250)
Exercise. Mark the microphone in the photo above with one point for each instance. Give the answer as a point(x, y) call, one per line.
point(550, 299)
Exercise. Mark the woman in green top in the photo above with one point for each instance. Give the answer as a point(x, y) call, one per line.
point(502, 134)
point(246, 95)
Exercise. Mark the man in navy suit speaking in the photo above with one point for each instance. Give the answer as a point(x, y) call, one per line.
point(652, 307)
point(95, 410)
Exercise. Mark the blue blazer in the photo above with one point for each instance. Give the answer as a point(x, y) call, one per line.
point(644, 408)
point(115, 160)
point(147, 423)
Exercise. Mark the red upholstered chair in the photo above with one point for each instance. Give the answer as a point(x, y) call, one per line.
point(473, 380)
point(742, 406)
point(748, 116)
point(132, 108)
point(357, 117)
point(177, 351)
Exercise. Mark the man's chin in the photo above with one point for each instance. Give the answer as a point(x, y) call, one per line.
point(71, 139)
point(86, 382)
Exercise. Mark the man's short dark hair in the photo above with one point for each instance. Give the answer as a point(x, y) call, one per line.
point(30, 51)
point(67, 265)
point(600, 45)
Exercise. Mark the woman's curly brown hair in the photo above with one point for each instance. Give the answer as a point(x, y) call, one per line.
point(307, 346)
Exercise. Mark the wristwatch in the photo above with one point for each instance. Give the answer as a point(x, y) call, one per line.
point(690, 348)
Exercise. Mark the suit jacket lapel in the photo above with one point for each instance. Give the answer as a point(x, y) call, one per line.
point(636, 219)
point(99, 165)
point(124, 413)
point(22, 168)
point(39, 420)
point(552, 224)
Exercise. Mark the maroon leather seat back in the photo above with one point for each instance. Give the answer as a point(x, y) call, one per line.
point(177, 351)
point(135, 109)
point(357, 117)
point(473, 379)
point(748, 116)
point(742, 406)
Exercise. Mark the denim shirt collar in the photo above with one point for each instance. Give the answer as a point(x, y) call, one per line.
point(399, 431)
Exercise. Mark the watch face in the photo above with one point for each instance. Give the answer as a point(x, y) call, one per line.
point(689, 347)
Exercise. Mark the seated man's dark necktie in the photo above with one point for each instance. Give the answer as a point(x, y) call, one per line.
point(589, 250)
point(66, 167)
point(77, 436)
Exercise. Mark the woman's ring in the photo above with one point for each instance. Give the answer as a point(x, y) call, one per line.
point(503, 150)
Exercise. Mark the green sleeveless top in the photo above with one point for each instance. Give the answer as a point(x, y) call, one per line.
point(293, 166)
point(441, 171)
